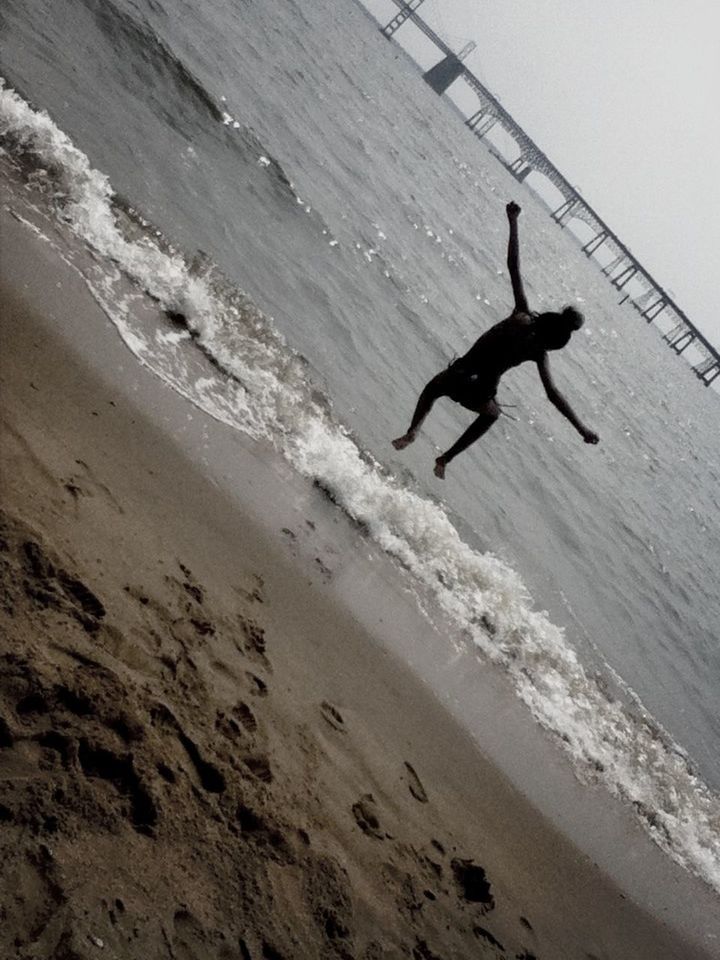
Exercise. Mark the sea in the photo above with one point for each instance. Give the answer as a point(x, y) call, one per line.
point(319, 224)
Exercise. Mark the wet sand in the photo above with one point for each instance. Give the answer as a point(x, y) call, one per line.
point(218, 734)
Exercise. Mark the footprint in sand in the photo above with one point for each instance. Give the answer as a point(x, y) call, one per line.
point(118, 769)
point(254, 593)
point(49, 586)
point(482, 934)
point(258, 687)
point(185, 612)
point(252, 641)
point(191, 586)
point(210, 776)
point(415, 784)
point(83, 483)
point(472, 884)
point(290, 539)
point(325, 571)
point(258, 766)
point(245, 717)
point(421, 951)
point(265, 833)
point(190, 939)
point(366, 818)
point(332, 716)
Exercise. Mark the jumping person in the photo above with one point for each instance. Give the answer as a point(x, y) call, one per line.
point(472, 381)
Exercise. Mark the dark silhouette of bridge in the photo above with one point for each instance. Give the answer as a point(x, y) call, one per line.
point(622, 268)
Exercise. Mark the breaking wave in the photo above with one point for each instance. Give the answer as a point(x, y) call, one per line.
point(258, 385)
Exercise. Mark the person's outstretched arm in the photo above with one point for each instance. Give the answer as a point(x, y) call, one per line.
point(559, 401)
point(513, 258)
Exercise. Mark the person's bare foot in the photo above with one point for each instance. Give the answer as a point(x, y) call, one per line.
point(403, 441)
point(439, 470)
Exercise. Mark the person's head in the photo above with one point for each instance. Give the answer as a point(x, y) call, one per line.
point(557, 328)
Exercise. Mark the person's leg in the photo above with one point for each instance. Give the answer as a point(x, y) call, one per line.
point(487, 418)
point(436, 388)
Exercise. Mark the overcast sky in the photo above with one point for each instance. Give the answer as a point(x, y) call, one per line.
point(623, 98)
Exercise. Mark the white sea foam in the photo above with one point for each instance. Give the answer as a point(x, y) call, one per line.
point(265, 392)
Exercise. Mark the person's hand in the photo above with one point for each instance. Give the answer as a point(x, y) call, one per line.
point(590, 437)
point(439, 470)
point(513, 210)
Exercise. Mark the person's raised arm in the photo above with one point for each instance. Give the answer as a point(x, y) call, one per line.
point(559, 401)
point(513, 258)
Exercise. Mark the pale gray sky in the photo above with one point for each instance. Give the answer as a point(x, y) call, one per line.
point(623, 98)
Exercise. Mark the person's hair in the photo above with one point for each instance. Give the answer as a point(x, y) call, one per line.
point(573, 317)
point(557, 328)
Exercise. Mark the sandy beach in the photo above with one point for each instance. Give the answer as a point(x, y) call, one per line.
point(224, 729)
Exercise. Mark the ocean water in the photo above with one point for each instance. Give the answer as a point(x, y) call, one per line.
point(277, 174)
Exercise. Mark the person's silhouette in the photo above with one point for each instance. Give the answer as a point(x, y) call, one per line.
point(472, 381)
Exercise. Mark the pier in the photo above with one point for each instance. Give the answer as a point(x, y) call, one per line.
point(622, 269)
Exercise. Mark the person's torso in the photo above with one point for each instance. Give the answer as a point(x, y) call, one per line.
point(509, 343)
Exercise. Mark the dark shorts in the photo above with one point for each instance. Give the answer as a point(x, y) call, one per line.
point(470, 390)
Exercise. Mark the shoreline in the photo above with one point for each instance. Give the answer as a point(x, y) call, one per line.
point(321, 584)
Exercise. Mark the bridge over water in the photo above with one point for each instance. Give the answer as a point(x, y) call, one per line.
point(622, 268)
